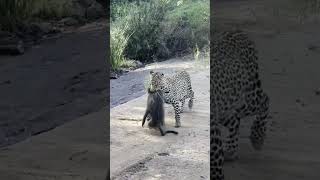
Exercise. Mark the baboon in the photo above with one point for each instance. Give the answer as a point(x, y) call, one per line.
point(155, 112)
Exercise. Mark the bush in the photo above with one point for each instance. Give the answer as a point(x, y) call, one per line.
point(16, 12)
point(13, 12)
point(118, 43)
point(161, 29)
point(49, 9)
point(145, 21)
point(188, 26)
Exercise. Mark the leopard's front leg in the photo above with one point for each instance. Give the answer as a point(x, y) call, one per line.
point(177, 112)
point(182, 105)
point(232, 122)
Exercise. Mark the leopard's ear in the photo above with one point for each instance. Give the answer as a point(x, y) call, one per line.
point(151, 72)
point(162, 74)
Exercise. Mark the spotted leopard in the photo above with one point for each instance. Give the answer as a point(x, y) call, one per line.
point(175, 89)
point(236, 92)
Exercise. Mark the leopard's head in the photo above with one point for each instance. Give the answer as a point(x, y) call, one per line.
point(156, 81)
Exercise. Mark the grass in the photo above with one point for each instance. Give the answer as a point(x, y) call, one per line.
point(52, 9)
point(187, 26)
point(13, 12)
point(118, 43)
point(157, 30)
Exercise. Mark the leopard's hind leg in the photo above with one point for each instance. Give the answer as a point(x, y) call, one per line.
point(177, 112)
point(216, 153)
point(232, 122)
point(258, 128)
point(191, 96)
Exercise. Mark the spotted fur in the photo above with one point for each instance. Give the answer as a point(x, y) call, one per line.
point(175, 89)
point(236, 92)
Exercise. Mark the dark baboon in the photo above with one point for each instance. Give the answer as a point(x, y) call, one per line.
point(155, 112)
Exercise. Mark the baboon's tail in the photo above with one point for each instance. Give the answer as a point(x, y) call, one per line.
point(164, 132)
point(171, 131)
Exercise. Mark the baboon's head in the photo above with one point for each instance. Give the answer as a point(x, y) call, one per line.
point(156, 81)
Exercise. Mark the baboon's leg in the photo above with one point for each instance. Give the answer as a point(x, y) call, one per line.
point(144, 117)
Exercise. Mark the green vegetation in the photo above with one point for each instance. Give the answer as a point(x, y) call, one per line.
point(118, 43)
point(15, 12)
point(52, 9)
point(154, 30)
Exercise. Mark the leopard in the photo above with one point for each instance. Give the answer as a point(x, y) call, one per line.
point(236, 92)
point(175, 88)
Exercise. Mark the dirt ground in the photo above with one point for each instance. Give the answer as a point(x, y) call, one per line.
point(141, 153)
point(54, 82)
point(53, 109)
point(289, 59)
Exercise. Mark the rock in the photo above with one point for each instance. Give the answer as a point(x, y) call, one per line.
point(113, 75)
point(95, 11)
point(69, 21)
point(45, 27)
point(139, 64)
point(11, 44)
point(35, 29)
point(54, 30)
